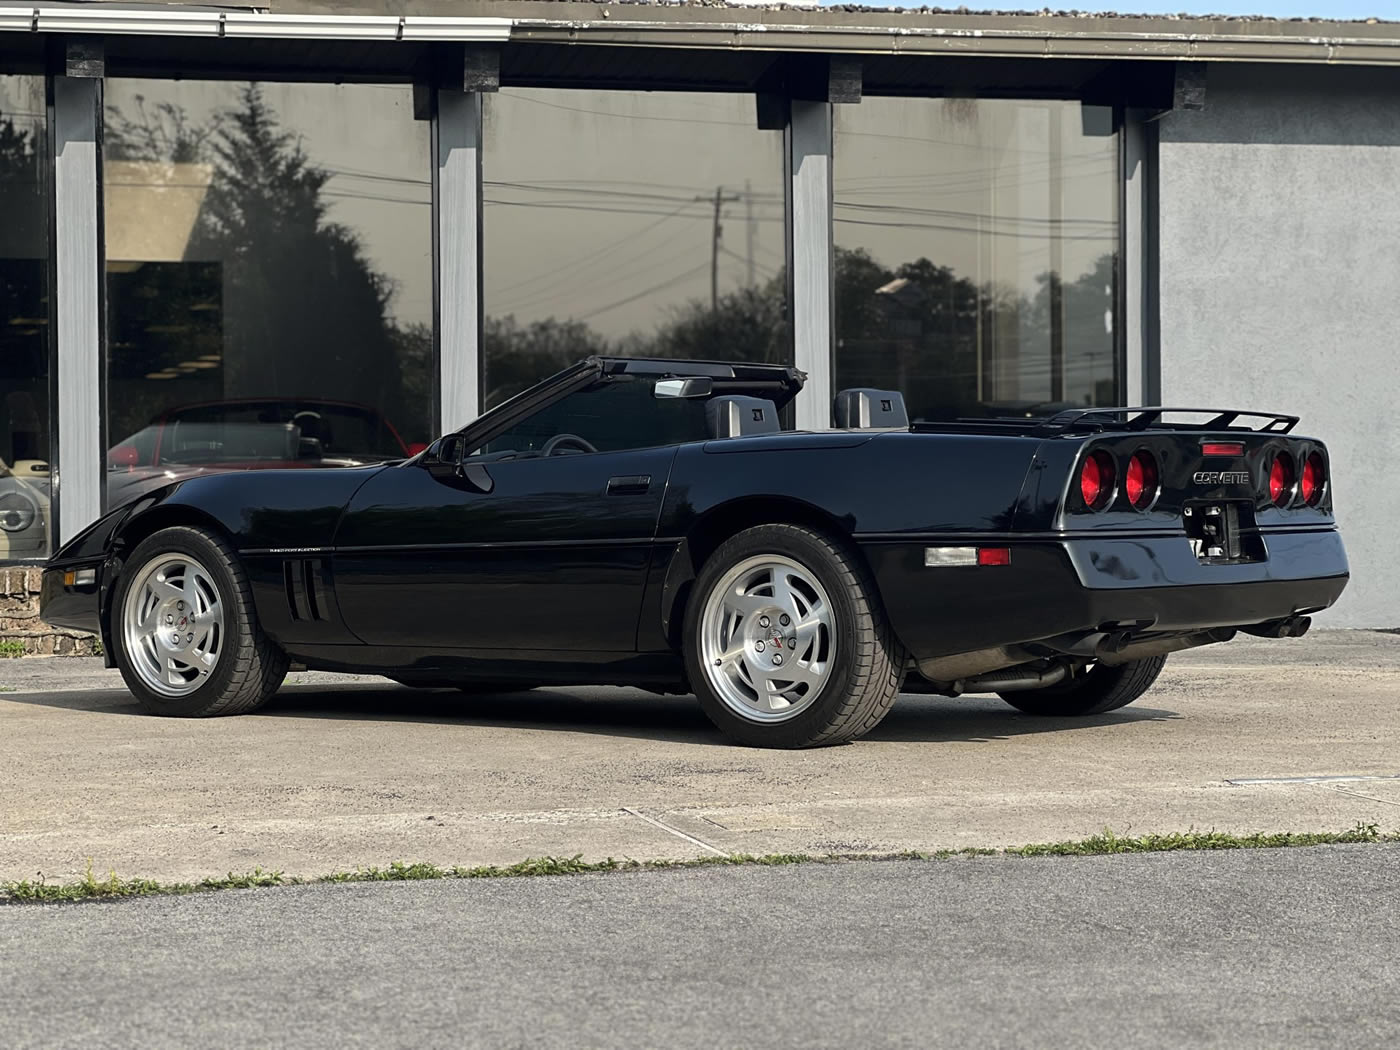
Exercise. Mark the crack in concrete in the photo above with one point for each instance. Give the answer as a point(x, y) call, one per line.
point(677, 832)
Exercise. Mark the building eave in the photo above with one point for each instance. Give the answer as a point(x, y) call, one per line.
point(710, 26)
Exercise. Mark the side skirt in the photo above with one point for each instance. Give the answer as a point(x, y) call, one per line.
point(646, 670)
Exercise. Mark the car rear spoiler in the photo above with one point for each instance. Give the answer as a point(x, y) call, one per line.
point(1148, 418)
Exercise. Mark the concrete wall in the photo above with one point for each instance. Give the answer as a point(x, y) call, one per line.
point(1280, 282)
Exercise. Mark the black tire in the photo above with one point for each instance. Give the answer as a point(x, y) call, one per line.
point(250, 668)
point(869, 666)
point(1097, 691)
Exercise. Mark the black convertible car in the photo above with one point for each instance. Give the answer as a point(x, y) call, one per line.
point(650, 522)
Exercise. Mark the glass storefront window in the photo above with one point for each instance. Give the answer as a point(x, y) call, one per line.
point(629, 222)
point(25, 516)
point(269, 276)
point(976, 254)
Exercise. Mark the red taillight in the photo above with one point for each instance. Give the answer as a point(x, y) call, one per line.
point(1096, 480)
point(993, 555)
point(1281, 479)
point(1140, 483)
point(1222, 448)
point(1314, 474)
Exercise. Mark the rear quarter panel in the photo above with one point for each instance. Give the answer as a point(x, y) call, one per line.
point(870, 485)
point(880, 490)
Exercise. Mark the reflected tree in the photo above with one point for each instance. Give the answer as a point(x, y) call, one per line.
point(162, 133)
point(305, 312)
point(749, 324)
point(23, 301)
point(916, 328)
point(302, 311)
point(1086, 315)
point(518, 356)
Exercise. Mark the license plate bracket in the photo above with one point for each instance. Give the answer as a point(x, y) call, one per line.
point(1215, 533)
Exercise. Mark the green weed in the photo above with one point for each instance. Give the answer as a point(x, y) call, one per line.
point(91, 887)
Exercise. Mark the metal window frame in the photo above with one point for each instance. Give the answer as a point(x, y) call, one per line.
point(457, 192)
point(79, 291)
point(810, 137)
point(1140, 348)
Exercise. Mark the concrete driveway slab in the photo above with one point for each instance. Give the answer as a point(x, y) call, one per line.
point(344, 771)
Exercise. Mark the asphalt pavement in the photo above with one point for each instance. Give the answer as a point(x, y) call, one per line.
point(1255, 948)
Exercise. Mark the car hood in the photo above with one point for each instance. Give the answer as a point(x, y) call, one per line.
point(124, 486)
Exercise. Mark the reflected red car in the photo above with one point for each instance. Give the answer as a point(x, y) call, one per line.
point(251, 434)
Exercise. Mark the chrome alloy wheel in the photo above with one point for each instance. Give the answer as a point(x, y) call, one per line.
point(173, 625)
point(767, 638)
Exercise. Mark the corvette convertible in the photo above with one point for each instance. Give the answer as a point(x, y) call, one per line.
point(654, 523)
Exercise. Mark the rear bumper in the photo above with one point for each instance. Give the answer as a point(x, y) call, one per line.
point(1060, 587)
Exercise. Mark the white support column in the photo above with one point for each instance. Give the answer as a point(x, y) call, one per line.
point(77, 103)
point(458, 213)
point(1142, 368)
point(809, 141)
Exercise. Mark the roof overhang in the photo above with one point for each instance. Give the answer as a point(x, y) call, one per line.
point(201, 22)
point(709, 26)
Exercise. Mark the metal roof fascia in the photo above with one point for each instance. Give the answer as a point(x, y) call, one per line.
point(927, 40)
point(172, 21)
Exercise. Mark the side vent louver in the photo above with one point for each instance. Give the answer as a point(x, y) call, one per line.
point(304, 581)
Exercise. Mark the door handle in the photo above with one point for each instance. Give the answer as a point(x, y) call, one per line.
point(629, 485)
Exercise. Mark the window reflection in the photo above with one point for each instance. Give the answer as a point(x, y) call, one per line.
point(641, 223)
point(269, 276)
point(25, 517)
point(976, 253)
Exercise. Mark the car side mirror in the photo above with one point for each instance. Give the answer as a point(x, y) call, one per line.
point(690, 389)
point(446, 452)
point(448, 457)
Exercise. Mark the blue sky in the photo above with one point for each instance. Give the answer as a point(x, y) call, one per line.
point(1278, 8)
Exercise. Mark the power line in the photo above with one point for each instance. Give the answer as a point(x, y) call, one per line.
point(592, 284)
point(597, 253)
point(644, 293)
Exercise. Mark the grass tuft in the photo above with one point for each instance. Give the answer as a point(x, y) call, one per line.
point(11, 648)
point(92, 887)
point(1108, 842)
point(112, 887)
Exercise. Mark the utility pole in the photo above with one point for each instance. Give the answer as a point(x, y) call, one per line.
point(719, 200)
point(749, 227)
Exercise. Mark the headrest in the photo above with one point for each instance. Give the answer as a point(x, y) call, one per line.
point(862, 408)
point(737, 416)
